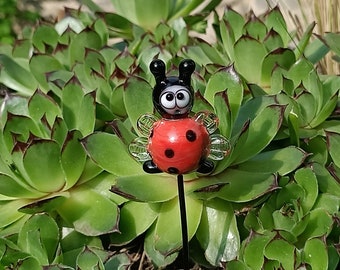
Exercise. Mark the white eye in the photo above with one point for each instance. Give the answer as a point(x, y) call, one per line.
point(168, 100)
point(182, 98)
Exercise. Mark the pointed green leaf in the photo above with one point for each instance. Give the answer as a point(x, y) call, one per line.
point(328, 202)
point(22, 48)
point(252, 108)
point(261, 131)
point(9, 213)
point(42, 164)
point(40, 237)
point(307, 108)
point(167, 237)
point(299, 71)
point(111, 154)
point(223, 113)
point(149, 246)
point(275, 20)
point(116, 101)
point(90, 171)
point(72, 97)
point(41, 105)
point(12, 186)
point(101, 28)
point(46, 204)
point(320, 224)
point(273, 41)
point(217, 232)
point(123, 131)
point(118, 261)
point(307, 180)
point(236, 21)
point(135, 219)
point(224, 79)
point(285, 58)
point(304, 40)
point(80, 42)
point(281, 251)
point(101, 183)
point(253, 253)
point(13, 104)
point(327, 183)
point(213, 54)
point(332, 41)
point(154, 12)
point(146, 187)
point(88, 259)
point(282, 161)
point(41, 65)
point(228, 38)
point(249, 53)
point(16, 77)
point(59, 131)
point(237, 145)
point(78, 108)
point(315, 254)
point(200, 103)
point(73, 158)
point(255, 28)
point(316, 50)
point(137, 99)
point(235, 185)
point(44, 35)
point(333, 144)
point(22, 127)
point(89, 212)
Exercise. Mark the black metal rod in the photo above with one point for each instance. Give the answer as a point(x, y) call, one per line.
point(181, 198)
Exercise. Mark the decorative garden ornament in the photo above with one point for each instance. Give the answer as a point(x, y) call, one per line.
point(180, 142)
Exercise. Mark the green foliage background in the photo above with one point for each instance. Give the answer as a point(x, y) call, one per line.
point(72, 197)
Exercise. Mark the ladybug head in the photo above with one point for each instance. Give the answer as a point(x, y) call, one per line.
point(173, 96)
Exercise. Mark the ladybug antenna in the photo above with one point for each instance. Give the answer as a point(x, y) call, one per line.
point(157, 68)
point(186, 68)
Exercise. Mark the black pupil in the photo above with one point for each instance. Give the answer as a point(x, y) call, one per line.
point(180, 96)
point(169, 97)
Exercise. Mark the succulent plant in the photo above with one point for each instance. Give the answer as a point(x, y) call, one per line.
point(69, 109)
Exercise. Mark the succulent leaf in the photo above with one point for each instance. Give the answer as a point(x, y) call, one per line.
point(89, 212)
point(166, 237)
point(110, 154)
point(49, 175)
point(146, 188)
point(222, 243)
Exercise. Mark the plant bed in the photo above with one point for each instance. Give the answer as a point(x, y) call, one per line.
point(71, 195)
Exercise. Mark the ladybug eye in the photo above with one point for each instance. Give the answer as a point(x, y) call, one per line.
point(168, 100)
point(182, 98)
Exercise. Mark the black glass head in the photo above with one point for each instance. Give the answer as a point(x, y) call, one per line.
point(173, 96)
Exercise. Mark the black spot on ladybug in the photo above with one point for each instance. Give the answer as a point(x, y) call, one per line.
point(190, 135)
point(151, 134)
point(169, 153)
point(173, 170)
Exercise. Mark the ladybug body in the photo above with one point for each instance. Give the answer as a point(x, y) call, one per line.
point(178, 145)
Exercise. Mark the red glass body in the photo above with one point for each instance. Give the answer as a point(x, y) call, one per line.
point(178, 145)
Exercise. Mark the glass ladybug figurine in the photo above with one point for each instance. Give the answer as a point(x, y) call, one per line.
point(179, 142)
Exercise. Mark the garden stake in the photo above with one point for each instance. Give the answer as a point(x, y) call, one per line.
point(184, 224)
point(178, 143)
